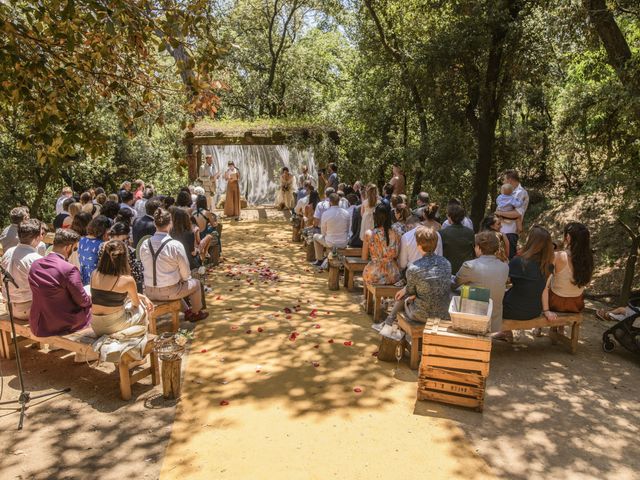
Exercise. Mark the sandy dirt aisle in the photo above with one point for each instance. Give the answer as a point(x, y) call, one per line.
point(292, 410)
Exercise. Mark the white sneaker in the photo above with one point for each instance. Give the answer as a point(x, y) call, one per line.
point(377, 326)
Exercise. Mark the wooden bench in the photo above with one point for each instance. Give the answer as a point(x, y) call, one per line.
point(412, 330)
point(373, 295)
point(336, 263)
point(80, 342)
point(352, 266)
point(573, 320)
point(297, 227)
point(173, 308)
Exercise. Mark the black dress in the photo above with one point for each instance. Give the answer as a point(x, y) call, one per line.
point(188, 239)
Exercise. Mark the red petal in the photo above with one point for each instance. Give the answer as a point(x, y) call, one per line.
point(315, 364)
point(260, 329)
point(234, 327)
point(248, 331)
point(374, 354)
point(204, 350)
point(288, 317)
point(224, 403)
point(287, 310)
point(331, 341)
point(317, 325)
point(316, 346)
point(348, 343)
point(357, 389)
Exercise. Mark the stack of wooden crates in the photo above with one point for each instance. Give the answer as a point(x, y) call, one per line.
point(454, 366)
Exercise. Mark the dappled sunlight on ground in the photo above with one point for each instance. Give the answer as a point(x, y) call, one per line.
point(292, 410)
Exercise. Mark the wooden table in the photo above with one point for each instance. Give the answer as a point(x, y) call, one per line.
point(352, 266)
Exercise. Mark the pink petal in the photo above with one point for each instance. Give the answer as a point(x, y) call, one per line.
point(348, 343)
point(234, 327)
point(358, 389)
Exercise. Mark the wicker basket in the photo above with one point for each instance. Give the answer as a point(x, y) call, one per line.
point(469, 322)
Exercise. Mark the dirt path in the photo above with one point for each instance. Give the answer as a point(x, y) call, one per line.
point(292, 410)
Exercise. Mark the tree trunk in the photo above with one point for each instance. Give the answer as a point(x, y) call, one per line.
point(43, 181)
point(630, 266)
point(618, 51)
point(486, 140)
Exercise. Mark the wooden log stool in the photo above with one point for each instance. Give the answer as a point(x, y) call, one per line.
point(171, 382)
point(352, 267)
point(296, 225)
point(373, 296)
point(413, 338)
point(311, 251)
point(454, 365)
point(172, 307)
point(572, 320)
point(334, 273)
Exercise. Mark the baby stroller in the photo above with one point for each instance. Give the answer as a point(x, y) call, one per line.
point(624, 332)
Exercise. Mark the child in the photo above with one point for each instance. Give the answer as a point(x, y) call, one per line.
point(508, 202)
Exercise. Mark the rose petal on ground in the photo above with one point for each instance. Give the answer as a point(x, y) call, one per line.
point(358, 389)
point(317, 325)
point(330, 341)
point(348, 343)
point(287, 310)
point(374, 354)
point(248, 331)
point(204, 350)
point(315, 364)
point(316, 346)
point(260, 330)
point(224, 403)
point(234, 327)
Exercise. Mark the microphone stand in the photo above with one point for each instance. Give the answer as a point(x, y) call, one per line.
point(25, 396)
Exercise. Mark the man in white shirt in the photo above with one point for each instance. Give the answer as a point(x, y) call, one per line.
point(208, 177)
point(64, 194)
point(167, 275)
point(334, 229)
point(510, 229)
point(322, 207)
point(17, 261)
point(409, 252)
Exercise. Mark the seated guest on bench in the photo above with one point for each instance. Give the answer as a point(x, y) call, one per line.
point(144, 225)
point(17, 261)
point(9, 236)
point(356, 220)
point(487, 271)
point(381, 244)
point(401, 214)
point(409, 251)
point(60, 303)
point(310, 208)
point(116, 302)
point(428, 289)
point(167, 275)
point(529, 273)
point(334, 229)
point(89, 246)
point(457, 240)
point(492, 223)
point(208, 227)
point(572, 270)
point(120, 231)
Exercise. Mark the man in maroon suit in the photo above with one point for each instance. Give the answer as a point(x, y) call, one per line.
point(60, 303)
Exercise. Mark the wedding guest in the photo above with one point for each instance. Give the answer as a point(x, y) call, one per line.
point(127, 201)
point(334, 229)
point(121, 232)
point(369, 202)
point(398, 180)
point(110, 209)
point(207, 224)
point(64, 194)
point(457, 240)
point(17, 261)
point(492, 223)
point(381, 244)
point(430, 213)
point(511, 229)
point(144, 225)
point(428, 290)
point(305, 177)
point(89, 246)
point(322, 207)
point(9, 236)
point(409, 251)
point(139, 190)
point(140, 204)
point(466, 221)
point(80, 223)
point(60, 303)
point(422, 200)
point(486, 271)
point(167, 275)
point(74, 209)
point(59, 219)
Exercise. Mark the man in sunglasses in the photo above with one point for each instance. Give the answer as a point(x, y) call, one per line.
point(60, 303)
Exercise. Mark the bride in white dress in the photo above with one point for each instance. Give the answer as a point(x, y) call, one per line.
point(284, 197)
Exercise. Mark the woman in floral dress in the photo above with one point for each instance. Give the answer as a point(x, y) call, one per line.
point(382, 245)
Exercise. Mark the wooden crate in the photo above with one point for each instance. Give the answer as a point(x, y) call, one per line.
point(454, 366)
